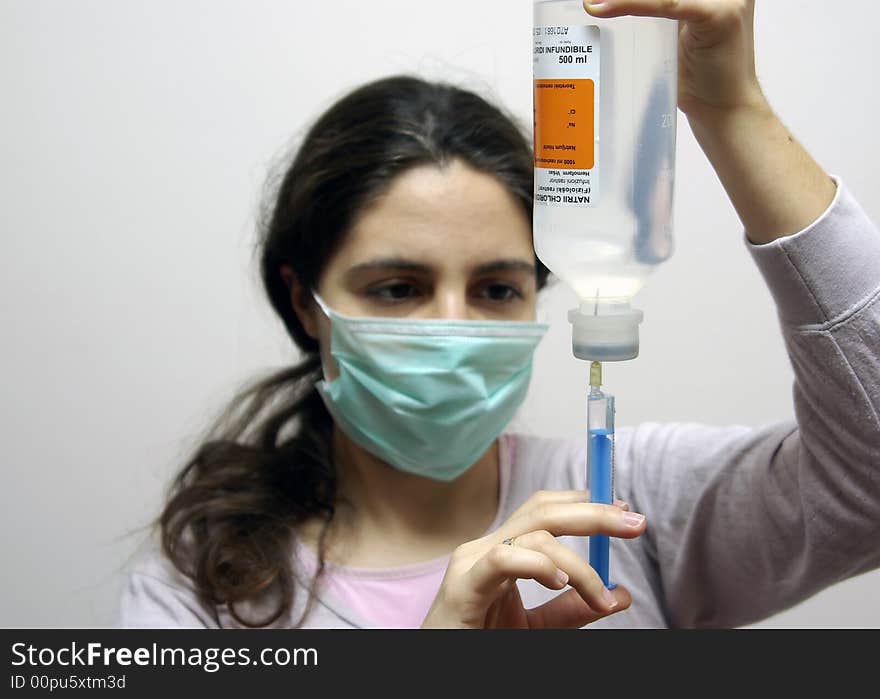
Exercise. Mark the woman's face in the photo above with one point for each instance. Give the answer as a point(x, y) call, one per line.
point(441, 243)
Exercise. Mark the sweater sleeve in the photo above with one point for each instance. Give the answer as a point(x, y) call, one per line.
point(155, 595)
point(148, 602)
point(745, 522)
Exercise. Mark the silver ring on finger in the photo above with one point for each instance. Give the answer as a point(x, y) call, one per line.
point(510, 542)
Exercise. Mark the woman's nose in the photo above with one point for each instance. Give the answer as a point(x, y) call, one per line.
point(450, 305)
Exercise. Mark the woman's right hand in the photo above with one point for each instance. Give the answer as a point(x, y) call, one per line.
point(479, 589)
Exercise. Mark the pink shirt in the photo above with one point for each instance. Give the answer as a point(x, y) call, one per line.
point(399, 597)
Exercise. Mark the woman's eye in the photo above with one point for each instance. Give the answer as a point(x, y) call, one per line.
point(393, 292)
point(502, 292)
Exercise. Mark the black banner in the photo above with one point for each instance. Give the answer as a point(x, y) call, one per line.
point(117, 662)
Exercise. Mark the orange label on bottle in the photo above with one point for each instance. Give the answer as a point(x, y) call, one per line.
point(567, 85)
point(565, 124)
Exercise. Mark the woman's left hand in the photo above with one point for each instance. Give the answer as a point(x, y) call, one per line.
point(716, 49)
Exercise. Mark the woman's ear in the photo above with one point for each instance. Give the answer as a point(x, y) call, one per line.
point(302, 302)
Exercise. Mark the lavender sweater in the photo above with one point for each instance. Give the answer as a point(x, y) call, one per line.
point(742, 522)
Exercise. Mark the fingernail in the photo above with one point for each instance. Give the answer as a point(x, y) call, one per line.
point(633, 519)
point(562, 577)
point(622, 504)
point(610, 599)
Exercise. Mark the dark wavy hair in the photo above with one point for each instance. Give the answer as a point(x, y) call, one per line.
point(266, 462)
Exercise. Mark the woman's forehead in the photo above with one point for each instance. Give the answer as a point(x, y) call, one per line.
point(431, 215)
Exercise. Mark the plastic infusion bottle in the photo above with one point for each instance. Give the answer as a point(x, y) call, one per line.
point(605, 97)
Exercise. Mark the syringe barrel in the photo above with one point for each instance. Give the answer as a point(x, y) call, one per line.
point(600, 471)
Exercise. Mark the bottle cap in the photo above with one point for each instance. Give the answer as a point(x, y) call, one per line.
point(605, 331)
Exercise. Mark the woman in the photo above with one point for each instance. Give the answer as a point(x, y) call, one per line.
point(353, 490)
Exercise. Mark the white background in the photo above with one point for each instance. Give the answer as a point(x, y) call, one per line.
point(135, 138)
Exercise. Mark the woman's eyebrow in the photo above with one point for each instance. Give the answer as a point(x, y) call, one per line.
point(513, 265)
point(405, 265)
point(388, 263)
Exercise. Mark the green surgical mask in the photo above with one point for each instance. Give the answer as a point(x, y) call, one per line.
point(427, 396)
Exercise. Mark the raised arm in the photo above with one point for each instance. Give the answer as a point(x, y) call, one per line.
point(745, 522)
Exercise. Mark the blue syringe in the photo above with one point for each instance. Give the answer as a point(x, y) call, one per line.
point(600, 463)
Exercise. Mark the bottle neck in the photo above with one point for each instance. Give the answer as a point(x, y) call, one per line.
point(605, 332)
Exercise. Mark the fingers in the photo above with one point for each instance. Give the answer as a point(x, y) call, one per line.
point(575, 519)
point(549, 497)
point(502, 562)
point(688, 10)
point(569, 611)
point(479, 569)
point(582, 576)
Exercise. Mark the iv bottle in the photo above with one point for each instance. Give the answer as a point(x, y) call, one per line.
point(605, 99)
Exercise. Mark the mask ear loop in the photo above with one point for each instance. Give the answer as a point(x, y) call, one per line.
point(329, 312)
point(326, 310)
point(320, 302)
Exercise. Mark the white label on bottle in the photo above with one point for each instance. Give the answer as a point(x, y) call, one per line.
point(566, 101)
